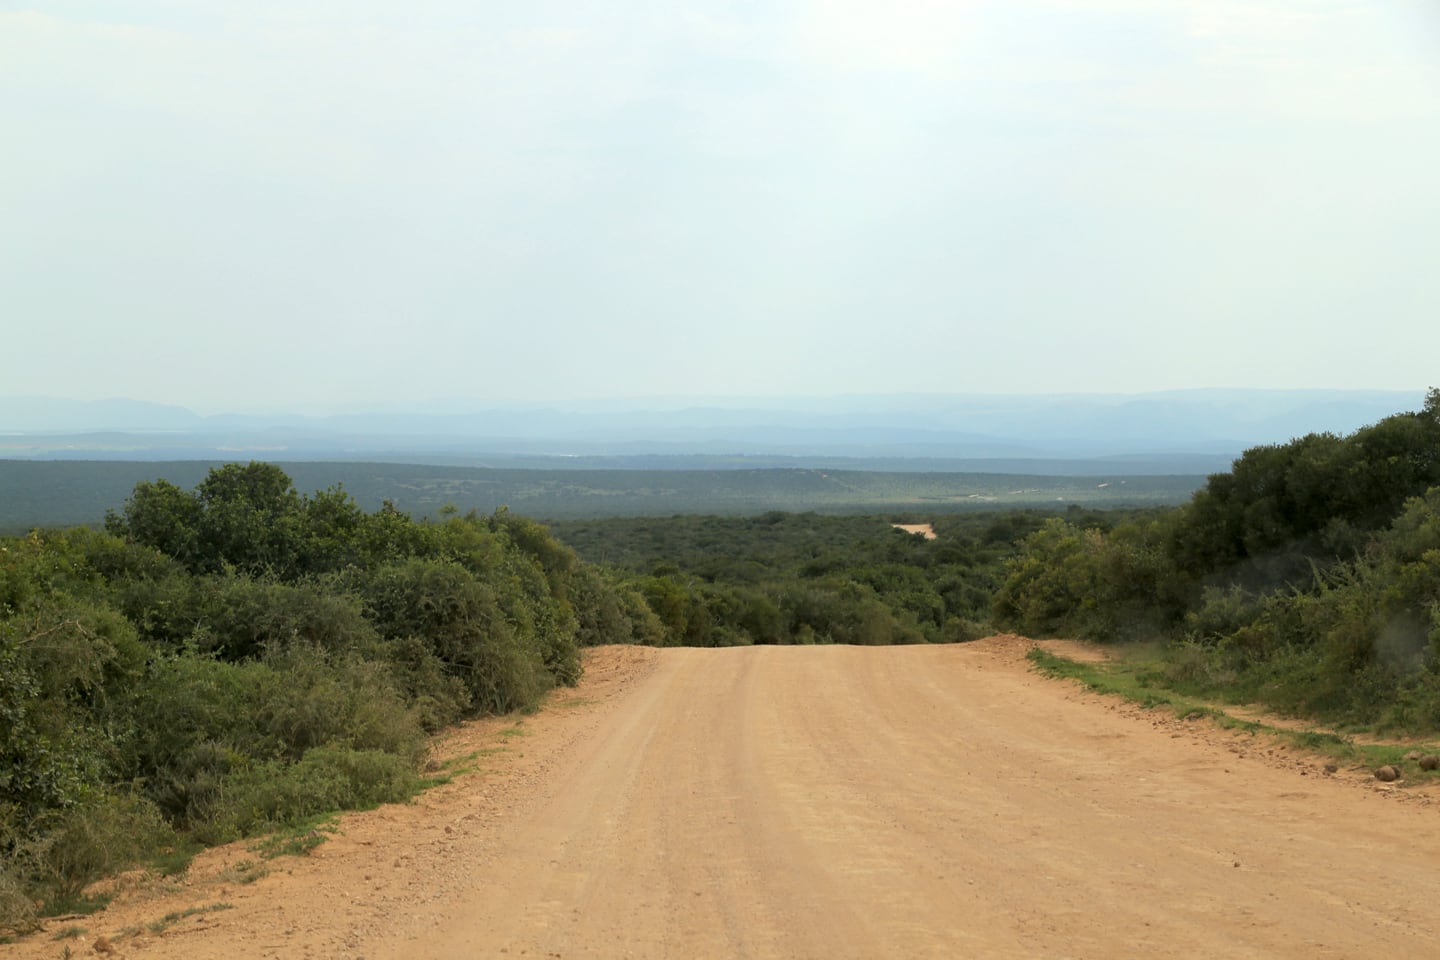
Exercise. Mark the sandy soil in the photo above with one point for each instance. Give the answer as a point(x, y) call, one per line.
point(834, 802)
point(924, 529)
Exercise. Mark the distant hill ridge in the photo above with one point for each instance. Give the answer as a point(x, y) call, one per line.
point(52, 493)
point(1214, 424)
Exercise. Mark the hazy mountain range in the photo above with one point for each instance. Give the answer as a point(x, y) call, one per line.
point(1191, 431)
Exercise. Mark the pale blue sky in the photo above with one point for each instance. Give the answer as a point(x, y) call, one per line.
point(339, 205)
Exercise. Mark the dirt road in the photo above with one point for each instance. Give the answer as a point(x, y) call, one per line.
point(839, 802)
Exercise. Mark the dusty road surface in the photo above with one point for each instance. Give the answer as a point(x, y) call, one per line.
point(835, 802)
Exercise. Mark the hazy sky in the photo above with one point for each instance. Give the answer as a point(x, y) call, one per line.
point(342, 204)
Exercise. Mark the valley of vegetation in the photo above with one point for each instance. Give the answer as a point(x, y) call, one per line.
point(57, 493)
point(811, 578)
point(238, 658)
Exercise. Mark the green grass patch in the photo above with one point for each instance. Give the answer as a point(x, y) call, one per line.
point(68, 933)
point(575, 702)
point(165, 922)
point(297, 840)
point(176, 859)
point(1137, 681)
point(288, 800)
point(244, 871)
point(457, 766)
point(80, 904)
point(1111, 678)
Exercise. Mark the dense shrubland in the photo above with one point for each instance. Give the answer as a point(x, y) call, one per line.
point(809, 578)
point(1308, 578)
point(225, 661)
point(57, 493)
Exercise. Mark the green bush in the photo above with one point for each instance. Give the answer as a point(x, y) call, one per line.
point(599, 610)
point(201, 718)
point(66, 670)
point(645, 627)
point(261, 797)
point(461, 621)
point(246, 657)
point(963, 630)
point(196, 717)
point(72, 848)
point(241, 616)
point(17, 901)
point(314, 699)
point(436, 697)
point(17, 906)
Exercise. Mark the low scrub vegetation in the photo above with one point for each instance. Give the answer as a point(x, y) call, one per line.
point(1141, 680)
point(1307, 578)
point(807, 578)
point(240, 658)
point(64, 492)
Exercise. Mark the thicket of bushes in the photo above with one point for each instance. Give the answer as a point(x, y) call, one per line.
point(809, 578)
point(1308, 577)
point(236, 658)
